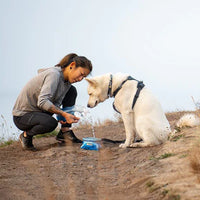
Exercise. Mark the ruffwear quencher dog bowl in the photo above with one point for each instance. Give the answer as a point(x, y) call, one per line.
point(91, 143)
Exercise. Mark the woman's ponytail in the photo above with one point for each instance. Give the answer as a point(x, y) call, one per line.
point(80, 61)
point(66, 60)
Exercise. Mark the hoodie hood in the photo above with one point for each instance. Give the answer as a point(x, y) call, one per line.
point(41, 70)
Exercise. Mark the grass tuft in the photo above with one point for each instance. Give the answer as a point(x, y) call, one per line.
point(6, 143)
point(163, 156)
point(149, 183)
point(166, 155)
point(164, 192)
point(152, 186)
point(53, 133)
point(174, 197)
point(176, 138)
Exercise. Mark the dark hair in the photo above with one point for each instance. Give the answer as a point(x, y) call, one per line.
point(80, 61)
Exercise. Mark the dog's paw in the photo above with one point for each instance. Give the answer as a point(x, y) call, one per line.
point(141, 144)
point(135, 145)
point(123, 145)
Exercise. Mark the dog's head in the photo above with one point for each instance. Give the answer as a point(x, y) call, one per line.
point(97, 90)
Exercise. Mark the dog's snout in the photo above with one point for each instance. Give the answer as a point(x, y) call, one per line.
point(88, 105)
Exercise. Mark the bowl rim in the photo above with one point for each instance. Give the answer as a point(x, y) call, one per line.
point(91, 139)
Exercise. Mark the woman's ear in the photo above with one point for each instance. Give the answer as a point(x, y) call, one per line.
point(72, 65)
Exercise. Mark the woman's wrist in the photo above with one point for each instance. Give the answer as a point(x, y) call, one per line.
point(54, 109)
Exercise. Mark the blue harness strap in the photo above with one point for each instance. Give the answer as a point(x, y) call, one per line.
point(140, 85)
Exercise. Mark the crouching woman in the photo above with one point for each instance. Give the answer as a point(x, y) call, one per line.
point(46, 94)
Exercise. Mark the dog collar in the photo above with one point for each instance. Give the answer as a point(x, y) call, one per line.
point(110, 86)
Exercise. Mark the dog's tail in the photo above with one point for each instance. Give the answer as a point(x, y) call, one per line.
point(188, 120)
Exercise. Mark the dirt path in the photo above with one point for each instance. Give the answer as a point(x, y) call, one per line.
point(69, 173)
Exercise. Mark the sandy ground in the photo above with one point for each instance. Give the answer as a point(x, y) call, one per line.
point(68, 172)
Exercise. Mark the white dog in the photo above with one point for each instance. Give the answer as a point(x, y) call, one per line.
point(146, 119)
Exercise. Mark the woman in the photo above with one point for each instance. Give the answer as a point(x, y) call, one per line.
point(42, 97)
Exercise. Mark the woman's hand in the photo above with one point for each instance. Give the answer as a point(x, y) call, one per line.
point(69, 118)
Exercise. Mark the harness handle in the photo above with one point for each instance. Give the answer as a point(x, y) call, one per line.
point(140, 85)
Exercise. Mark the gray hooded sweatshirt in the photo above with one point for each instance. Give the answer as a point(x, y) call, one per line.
point(41, 92)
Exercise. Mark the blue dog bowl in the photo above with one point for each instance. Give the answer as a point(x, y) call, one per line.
point(91, 143)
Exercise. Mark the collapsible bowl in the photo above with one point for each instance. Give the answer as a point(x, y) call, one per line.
point(91, 143)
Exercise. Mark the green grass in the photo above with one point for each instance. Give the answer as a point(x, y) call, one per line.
point(175, 138)
point(53, 133)
point(183, 156)
point(152, 186)
point(178, 129)
point(163, 156)
point(164, 192)
point(166, 155)
point(149, 183)
point(9, 142)
point(6, 143)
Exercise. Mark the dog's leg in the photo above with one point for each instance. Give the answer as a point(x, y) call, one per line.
point(148, 135)
point(129, 128)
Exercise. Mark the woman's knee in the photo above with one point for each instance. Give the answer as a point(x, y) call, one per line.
point(72, 91)
point(51, 124)
point(70, 97)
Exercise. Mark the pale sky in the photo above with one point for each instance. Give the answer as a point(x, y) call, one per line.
point(157, 41)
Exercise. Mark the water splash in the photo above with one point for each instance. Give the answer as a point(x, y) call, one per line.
point(83, 113)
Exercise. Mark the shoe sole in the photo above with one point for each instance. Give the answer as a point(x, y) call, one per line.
point(62, 141)
point(26, 148)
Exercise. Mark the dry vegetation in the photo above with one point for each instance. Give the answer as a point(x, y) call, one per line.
point(194, 152)
point(194, 157)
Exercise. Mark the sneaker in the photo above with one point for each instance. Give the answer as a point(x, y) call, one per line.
point(26, 142)
point(67, 136)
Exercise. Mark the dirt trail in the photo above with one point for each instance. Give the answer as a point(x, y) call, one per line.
point(69, 173)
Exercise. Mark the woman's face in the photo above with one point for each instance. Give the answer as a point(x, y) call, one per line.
point(75, 74)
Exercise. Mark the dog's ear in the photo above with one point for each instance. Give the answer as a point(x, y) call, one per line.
point(91, 81)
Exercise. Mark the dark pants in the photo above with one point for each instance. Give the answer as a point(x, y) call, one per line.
point(41, 122)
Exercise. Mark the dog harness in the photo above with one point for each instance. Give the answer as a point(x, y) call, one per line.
point(140, 85)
